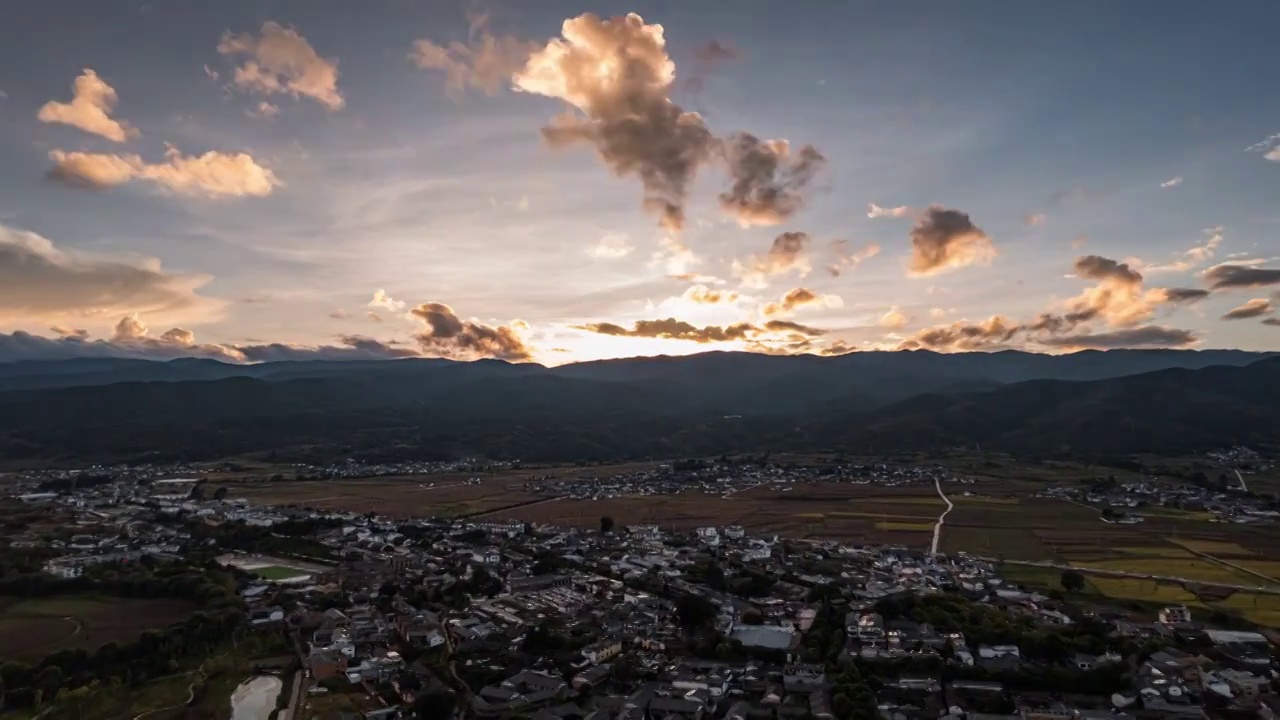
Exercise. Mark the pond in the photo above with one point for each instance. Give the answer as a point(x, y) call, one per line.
point(255, 698)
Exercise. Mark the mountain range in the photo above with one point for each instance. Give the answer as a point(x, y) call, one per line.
point(1087, 403)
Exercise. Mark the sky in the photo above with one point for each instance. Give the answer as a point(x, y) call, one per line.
point(564, 181)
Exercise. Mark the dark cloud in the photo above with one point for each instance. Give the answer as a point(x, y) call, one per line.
point(797, 298)
point(1240, 276)
point(1256, 307)
point(795, 327)
point(996, 331)
point(1274, 322)
point(1181, 295)
point(39, 280)
point(839, 347)
point(945, 239)
point(1147, 336)
point(714, 51)
point(768, 179)
point(1096, 267)
point(673, 329)
point(842, 256)
point(451, 337)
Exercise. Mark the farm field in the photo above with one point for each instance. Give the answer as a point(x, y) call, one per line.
point(33, 628)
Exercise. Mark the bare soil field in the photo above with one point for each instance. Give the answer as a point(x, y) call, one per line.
point(32, 628)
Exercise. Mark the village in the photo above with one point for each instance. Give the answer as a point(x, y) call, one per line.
point(440, 617)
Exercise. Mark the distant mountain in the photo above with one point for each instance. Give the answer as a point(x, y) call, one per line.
point(642, 407)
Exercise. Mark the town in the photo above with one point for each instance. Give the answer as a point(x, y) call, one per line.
point(443, 618)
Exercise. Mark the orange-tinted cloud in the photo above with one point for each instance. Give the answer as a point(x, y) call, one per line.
point(797, 298)
point(786, 254)
point(843, 257)
point(211, 175)
point(40, 281)
point(279, 60)
point(92, 101)
point(618, 75)
point(485, 62)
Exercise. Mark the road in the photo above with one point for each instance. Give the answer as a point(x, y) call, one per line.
point(937, 526)
point(1256, 589)
point(1241, 479)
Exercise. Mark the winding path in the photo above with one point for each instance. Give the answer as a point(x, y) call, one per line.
point(937, 526)
point(1240, 477)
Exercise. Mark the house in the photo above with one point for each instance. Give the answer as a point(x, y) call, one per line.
point(602, 650)
point(1175, 615)
point(803, 678)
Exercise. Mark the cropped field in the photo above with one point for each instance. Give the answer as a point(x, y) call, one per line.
point(33, 628)
point(278, 572)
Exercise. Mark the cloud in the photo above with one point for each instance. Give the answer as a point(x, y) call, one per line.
point(129, 328)
point(797, 298)
point(1119, 297)
point(373, 316)
point(1079, 241)
point(1256, 307)
point(611, 247)
point(1148, 336)
point(842, 257)
point(618, 75)
point(264, 110)
point(1180, 295)
point(40, 281)
point(786, 254)
point(211, 73)
point(996, 331)
point(1096, 267)
point(282, 61)
point(69, 332)
point(1269, 147)
point(451, 337)
point(714, 51)
point(673, 329)
point(703, 295)
point(212, 175)
point(837, 347)
point(768, 180)
point(339, 315)
point(675, 256)
point(788, 326)
point(382, 300)
point(1172, 182)
point(944, 240)
point(1273, 322)
point(1194, 257)
point(1035, 219)
point(1240, 276)
point(894, 319)
point(132, 339)
point(92, 101)
point(875, 211)
point(485, 62)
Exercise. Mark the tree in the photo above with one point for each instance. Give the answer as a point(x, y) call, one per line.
point(1072, 581)
point(606, 524)
point(752, 617)
point(434, 705)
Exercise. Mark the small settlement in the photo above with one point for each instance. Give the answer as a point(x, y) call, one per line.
point(505, 620)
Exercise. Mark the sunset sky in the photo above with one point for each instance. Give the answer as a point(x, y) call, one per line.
point(559, 181)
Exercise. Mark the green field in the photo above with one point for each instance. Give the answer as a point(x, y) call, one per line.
point(32, 628)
